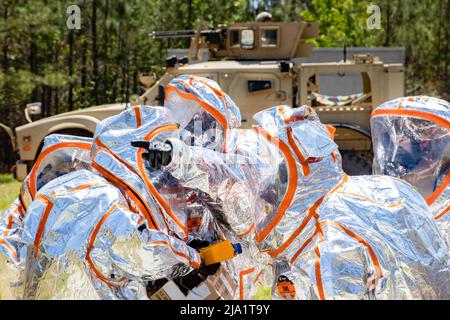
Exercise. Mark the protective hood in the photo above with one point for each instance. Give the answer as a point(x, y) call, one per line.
point(204, 111)
point(115, 158)
point(337, 237)
point(60, 154)
point(103, 232)
point(84, 242)
point(310, 135)
point(411, 138)
point(307, 169)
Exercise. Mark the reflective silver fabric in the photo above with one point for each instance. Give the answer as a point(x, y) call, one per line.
point(205, 113)
point(208, 126)
point(105, 233)
point(337, 237)
point(58, 225)
point(232, 198)
point(110, 224)
point(60, 154)
point(115, 158)
point(411, 138)
point(86, 243)
point(12, 254)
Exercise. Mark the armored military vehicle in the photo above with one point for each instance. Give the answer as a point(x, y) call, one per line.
point(255, 64)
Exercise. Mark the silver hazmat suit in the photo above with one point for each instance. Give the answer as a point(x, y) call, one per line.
point(103, 232)
point(212, 142)
point(332, 236)
point(411, 140)
point(60, 154)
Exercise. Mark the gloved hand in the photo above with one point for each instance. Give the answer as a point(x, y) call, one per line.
point(156, 154)
point(196, 276)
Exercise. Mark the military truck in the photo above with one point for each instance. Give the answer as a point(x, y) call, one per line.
point(255, 64)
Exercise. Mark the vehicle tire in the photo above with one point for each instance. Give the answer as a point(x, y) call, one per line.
point(354, 164)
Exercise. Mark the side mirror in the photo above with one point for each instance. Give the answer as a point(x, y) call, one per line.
point(33, 109)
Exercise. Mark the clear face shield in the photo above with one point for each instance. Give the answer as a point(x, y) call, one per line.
point(204, 131)
point(301, 152)
point(415, 150)
point(197, 126)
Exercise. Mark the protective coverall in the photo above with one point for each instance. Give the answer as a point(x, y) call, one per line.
point(411, 140)
point(209, 123)
point(143, 214)
point(337, 237)
point(60, 155)
point(64, 227)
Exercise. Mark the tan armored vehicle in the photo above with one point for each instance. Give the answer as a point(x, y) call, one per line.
point(255, 64)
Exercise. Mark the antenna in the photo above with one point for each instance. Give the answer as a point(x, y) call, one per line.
point(345, 52)
point(342, 74)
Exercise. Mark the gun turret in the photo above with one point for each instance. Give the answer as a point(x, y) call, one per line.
point(211, 37)
point(172, 34)
point(249, 41)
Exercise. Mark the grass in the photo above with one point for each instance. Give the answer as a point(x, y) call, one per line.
point(9, 190)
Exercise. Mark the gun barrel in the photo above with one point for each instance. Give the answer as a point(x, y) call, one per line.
point(172, 34)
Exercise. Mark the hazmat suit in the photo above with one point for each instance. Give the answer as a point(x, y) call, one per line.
point(102, 232)
point(60, 154)
point(411, 139)
point(214, 185)
point(332, 236)
point(109, 231)
point(209, 130)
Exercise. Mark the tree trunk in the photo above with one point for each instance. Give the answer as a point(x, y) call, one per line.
point(438, 40)
point(447, 50)
point(126, 77)
point(94, 50)
point(56, 101)
point(105, 51)
point(5, 61)
point(71, 40)
point(5, 65)
point(33, 67)
point(84, 69)
point(388, 24)
point(189, 22)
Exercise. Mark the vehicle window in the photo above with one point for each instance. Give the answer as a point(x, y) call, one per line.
point(234, 38)
point(247, 39)
point(258, 85)
point(269, 37)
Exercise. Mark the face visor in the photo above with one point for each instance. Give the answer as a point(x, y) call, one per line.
point(298, 145)
point(203, 130)
point(413, 149)
point(203, 110)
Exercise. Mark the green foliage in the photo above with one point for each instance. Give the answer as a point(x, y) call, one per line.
point(342, 22)
point(421, 27)
point(9, 190)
